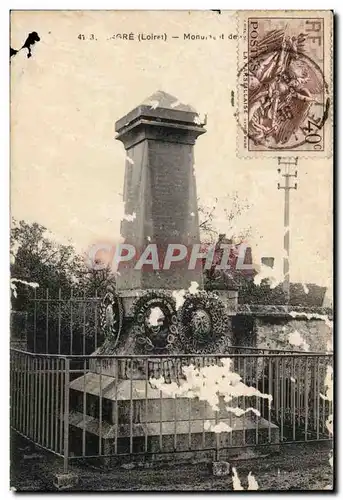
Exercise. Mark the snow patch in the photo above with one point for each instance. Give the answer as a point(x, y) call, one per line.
point(13, 285)
point(217, 428)
point(297, 340)
point(200, 119)
point(153, 104)
point(252, 483)
point(323, 317)
point(130, 217)
point(237, 485)
point(23, 282)
point(210, 383)
point(273, 276)
point(236, 482)
point(155, 317)
point(193, 289)
point(179, 296)
point(328, 382)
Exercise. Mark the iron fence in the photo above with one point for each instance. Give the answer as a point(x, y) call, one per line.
point(69, 322)
point(109, 407)
point(64, 323)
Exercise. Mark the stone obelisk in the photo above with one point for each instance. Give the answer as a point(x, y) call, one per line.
point(160, 195)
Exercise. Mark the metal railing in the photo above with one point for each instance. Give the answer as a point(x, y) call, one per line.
point(70, 322)
point(91, 407)
point(64, 324)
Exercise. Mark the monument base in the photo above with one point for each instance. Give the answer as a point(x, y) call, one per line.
point(128, 297)
point(138, 419)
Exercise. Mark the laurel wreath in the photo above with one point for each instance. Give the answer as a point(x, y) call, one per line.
point(111, 315)
point(148, 337)
point(192, 336)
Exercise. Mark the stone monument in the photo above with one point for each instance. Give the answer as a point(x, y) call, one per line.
point(161, 206)
point(159, 191)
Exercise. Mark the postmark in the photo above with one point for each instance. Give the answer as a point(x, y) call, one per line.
point(284, 86)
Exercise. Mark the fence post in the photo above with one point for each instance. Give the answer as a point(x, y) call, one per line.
point(47, 322)
point(306, 396)
point(35, 321)
point(66, 416)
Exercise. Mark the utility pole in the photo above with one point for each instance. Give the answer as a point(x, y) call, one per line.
point(286, 166)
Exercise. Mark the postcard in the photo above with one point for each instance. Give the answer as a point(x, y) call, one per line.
point(171, 250)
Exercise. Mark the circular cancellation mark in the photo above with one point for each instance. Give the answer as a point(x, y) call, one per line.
point(285, 101)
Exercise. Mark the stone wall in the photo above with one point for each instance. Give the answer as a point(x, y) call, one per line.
point(276, 333)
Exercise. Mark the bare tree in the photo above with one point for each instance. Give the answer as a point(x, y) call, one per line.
point(207, 215)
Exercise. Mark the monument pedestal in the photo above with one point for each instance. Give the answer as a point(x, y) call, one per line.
point(129, 297)
point(139, 419)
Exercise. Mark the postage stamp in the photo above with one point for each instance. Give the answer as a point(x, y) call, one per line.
point(284, 84)
point(171, 302)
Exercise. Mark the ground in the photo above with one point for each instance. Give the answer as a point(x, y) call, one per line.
point(295, 467)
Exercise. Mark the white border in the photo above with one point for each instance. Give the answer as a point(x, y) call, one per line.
point(4, 171)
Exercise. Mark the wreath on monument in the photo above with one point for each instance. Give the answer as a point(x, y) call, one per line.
point(203, 321)
point(111, 315)
point(155, 321)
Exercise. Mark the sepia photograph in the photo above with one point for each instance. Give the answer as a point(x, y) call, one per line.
point(171, 250)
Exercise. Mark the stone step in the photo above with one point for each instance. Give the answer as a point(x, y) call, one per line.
point(180, 427)
point(166, 441)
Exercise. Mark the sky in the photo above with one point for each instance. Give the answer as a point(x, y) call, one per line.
point(67, 169)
